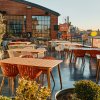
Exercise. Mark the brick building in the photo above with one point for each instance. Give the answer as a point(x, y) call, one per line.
point(23, 17)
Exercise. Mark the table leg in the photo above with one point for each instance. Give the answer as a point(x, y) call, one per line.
point(37, 55)
point(48, 77)
point(71, 56)
point(45, 53)
point(97, 67)
point(97, 74)
point(60, 76)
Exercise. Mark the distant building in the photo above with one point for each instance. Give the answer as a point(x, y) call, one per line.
point(26, 17)
point(64, 28)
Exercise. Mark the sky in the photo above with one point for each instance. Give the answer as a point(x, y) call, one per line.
point(84, 14)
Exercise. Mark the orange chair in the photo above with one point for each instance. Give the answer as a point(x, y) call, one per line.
point(10, 71)
point(29, 71)
point(92, 54)
point(26, 56)
point(79, 54)
point(45, 71)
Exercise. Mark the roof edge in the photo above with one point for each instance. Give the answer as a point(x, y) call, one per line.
point(37, 6)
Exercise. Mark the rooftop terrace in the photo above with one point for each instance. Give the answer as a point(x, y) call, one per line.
point(69, 73)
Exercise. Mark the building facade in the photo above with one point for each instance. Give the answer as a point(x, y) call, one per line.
point(26, 17)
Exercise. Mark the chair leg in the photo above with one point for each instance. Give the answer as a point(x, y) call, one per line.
point(97, 75)
point(90, 67)
point(68, 53)
point(2, 83)
point(97, 67)
point(42, 79)
point(52, 78)
point(38, 79)
point(9, 84)
point(12, 88)
point(83, 61)
point(71, 54)
point(75, 60)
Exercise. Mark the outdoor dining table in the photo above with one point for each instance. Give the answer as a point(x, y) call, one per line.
point(81, 48)
point(21, 46)
point(69, 44)
point(11, 43)
point(35, 51)
point(59, 41)
point(40, 63)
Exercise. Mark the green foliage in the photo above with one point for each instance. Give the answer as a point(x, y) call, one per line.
point(4, 98)
point(2, 25)
point(87, 90)
point(30, 90)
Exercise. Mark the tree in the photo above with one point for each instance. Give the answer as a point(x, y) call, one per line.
point(2, 25)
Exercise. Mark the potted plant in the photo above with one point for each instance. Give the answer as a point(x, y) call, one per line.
point(87, 90)
point(31, 90)
point(84, 90)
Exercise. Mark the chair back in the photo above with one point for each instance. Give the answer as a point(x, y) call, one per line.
point(53, 44)
point(14, 53)
point(59, 48)
point(79, 53)
point(93, 53)
point(10, 53)
point(49, 57)
point(62, 47)
point(29, 71)
point(26, 53)
point(26, 56)
point(9, 70)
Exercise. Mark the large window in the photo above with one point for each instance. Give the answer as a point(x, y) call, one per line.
point(16, 25)
point(41, 26)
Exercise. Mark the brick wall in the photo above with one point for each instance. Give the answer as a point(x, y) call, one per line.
point(54, 21)
point(15, 8)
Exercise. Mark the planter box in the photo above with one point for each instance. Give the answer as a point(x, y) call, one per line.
point(64, 94)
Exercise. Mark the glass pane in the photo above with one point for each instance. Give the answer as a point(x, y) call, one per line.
point(15, 24)
point(42, 26)
point(48, 18)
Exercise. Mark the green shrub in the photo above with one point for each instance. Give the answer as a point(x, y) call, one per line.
point(87, 90)
point(30, 90)
point(4, 98)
